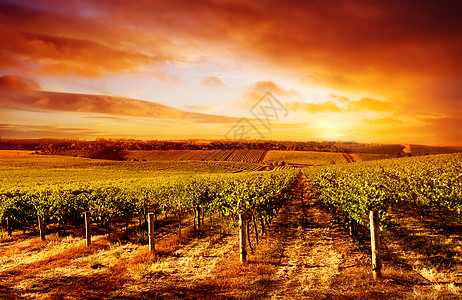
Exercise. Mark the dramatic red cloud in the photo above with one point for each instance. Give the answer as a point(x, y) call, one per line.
point(62, 55)
point(366, 45)
point(39, 40)
point(336, 41)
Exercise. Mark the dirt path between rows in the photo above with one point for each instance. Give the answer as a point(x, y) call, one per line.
point(351, 157)
point(317, 259)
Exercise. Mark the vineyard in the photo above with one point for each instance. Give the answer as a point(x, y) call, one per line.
point(304, 158)
point(389, 193)
point(60, 189)
point(258, 195)
point(25, 170)
point(200, 218)
point(247, 156)
point(236, 166)
point(425, 183)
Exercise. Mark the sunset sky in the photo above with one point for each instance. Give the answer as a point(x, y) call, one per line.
point(366, 71)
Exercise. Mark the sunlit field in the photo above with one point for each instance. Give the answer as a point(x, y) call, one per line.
point(304, 158)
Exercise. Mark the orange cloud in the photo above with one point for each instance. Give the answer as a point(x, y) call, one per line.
point(17, 83)
point(344, 104)
point(42, 41)
point(390, 121)
point(261, 87)
point(370, 104)
point(67, 56)
point(256, 91)
point(213, 82)
point(40, 131)
point(335, 43)
point(323, 107)
point(376, 45)
point(18, 93)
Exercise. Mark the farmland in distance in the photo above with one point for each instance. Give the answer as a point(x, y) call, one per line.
point(304, 158)
point(22, 168)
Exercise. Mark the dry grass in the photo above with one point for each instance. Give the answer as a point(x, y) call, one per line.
point(428, 251)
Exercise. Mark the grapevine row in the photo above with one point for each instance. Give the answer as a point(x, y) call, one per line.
point(424, 182)
point(256, 194)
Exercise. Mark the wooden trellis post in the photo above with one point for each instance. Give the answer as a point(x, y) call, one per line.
point(242, 238)
point(41, 228)
point(8, 224)
point(151, 224)
point(375, 244)
point(87, 228)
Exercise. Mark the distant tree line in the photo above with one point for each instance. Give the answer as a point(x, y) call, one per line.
point(103, 145)
point(50, 145)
